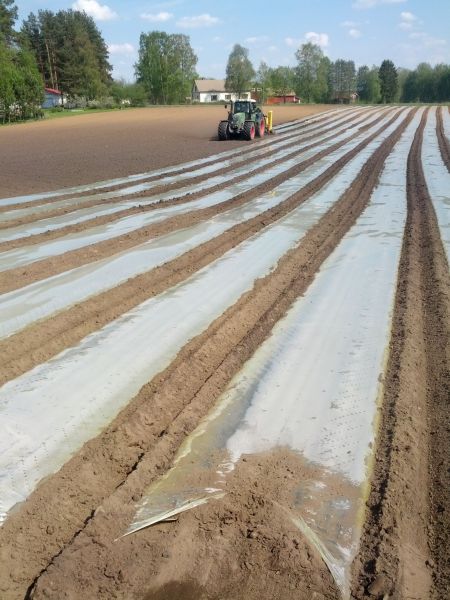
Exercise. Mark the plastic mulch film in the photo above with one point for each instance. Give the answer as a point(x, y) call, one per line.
point(310, 391)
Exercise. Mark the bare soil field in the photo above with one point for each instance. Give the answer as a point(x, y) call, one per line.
point(226, 368)
point(53, 154)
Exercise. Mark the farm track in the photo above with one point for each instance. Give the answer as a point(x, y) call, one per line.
point(60, 542)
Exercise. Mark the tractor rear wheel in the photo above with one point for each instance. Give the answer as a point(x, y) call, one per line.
point(223, 132)
point(249, 130)
point(261, 128)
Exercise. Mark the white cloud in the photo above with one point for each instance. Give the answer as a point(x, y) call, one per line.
point(408, 20)
point(354, 33)
point(428, 41)
point(292, 42)
point(121, 48)
point(100, 12)
point(349, 24)
point(321, 39)
point(363, 4)
point(160, 17)
point(205, 20)
point(257, 39)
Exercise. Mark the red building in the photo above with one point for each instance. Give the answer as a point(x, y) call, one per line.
point(290, 97)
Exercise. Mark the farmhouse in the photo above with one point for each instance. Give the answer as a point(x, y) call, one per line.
point(52, 98)
point(213, 90)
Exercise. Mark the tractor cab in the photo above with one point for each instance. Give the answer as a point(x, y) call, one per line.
point(244, 106)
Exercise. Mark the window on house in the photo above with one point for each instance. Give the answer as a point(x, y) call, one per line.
point(227, 96)
point(214, 97)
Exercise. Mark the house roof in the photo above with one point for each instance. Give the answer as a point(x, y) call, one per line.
point(52, 91)
point(210, 85)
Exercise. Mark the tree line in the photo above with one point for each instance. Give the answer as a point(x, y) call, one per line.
point(315, 78)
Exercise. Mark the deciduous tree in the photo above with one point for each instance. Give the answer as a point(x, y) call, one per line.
point(239, 71)
point(166, 66)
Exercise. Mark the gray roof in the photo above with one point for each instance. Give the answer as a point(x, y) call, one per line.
point(210, 85)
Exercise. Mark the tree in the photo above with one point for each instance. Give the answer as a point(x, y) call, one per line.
point(21, 89)
point(282, 80)
point(342, 79)
point(239, 71)
point(368, 84)
point(388, 81)
point(312, 73)
point(8, 16)
point(166, 66)
point(70, 51)
point(263, 80)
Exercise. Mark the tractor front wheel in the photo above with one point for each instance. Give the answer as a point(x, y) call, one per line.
point(223, 132)
point(249, 130)
point(261, 128)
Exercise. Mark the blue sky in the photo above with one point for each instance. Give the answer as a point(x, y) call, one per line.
point(367, 31)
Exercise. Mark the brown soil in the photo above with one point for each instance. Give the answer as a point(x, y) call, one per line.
point(444, 142)
point(80, 510)
point(72, 151)
point(405, 547)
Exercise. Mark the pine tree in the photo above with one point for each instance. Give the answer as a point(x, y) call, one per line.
point(8, 17)
point(388, 81)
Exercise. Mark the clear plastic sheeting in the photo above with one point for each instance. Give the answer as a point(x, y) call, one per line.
point(311, 389)
point(51, 411)
point(105, 209)
point(437, 177)
point(46, 297)
point(139, 176)
point(39, 251)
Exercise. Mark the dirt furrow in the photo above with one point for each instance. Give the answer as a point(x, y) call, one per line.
point(405, 545)
point(189, 196)
point(444, 142)
point(39, 342)
point(16, 278)
point(110, 188)
point(141, 441)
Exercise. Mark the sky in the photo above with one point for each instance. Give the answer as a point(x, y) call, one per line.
point(366, 31)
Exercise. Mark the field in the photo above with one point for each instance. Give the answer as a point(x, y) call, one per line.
point(225, 366)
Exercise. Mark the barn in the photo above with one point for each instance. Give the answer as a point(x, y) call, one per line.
point(213, 90)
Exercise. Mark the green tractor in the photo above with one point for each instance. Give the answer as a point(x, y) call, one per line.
point(245, 120)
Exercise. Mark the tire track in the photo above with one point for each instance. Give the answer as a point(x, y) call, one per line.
point(411, 478)
point(16, 278)
point(120, 458)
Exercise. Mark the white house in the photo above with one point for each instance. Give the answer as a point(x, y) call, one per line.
point(213, 90)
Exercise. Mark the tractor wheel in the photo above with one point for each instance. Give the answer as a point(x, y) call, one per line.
point(261, 128)
point(223, 132)
point(249, 130)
